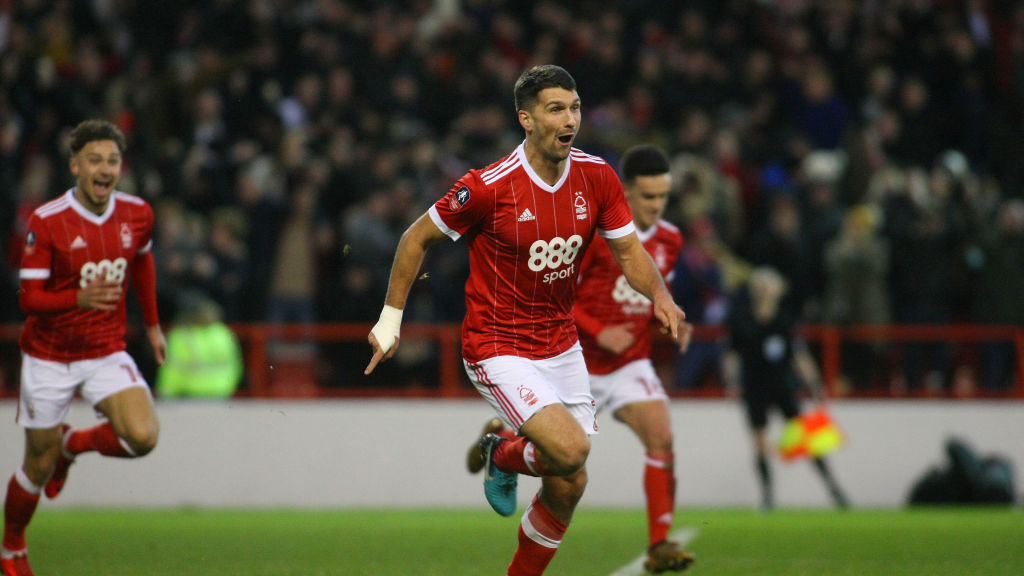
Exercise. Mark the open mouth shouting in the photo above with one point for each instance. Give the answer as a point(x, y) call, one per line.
point(102, 187)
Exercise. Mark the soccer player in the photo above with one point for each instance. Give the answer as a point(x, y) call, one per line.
point(764, 356)
point(614, 326)
point(529, 219)
point(80, 251)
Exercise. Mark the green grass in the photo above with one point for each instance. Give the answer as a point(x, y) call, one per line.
point(86, 542)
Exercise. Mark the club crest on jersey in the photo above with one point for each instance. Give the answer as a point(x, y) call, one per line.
point(581, 206)
point(30, 242)
point(126, 235)
point(459, 199)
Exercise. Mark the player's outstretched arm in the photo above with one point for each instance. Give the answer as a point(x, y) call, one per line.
point(383, 338)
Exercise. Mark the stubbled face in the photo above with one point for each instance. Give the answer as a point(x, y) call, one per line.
point(647, 197)
point(552, 124)
point(97, 166)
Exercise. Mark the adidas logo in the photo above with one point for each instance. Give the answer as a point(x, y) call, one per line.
point(78, 243)
point(526, 216)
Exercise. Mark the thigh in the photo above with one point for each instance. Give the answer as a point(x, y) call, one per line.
point(650, 421)
point(635, 382)
point(518, 388)
point(569, 377)
point(110, 375)
point(130, 412)
point(512, 386)
point(47, 389)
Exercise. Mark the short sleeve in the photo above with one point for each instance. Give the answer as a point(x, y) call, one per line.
point(461, 208)
point(615, 219)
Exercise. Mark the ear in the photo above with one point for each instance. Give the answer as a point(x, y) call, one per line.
point(526, 121)
point(73, 164)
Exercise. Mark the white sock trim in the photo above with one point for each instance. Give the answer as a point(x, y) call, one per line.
point(64, 444)
point(126, 447)
point(534, 535)
point(27, 485)
point(530, 457)
point(10, 554)
point(658, 463)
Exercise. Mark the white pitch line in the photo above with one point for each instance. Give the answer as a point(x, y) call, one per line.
point(636, 568)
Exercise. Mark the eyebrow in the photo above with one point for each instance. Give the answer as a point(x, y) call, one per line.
point(561, 102)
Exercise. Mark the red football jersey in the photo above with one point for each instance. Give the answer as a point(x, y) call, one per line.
point(67, 245)
point(526, 239)
point(604, 297)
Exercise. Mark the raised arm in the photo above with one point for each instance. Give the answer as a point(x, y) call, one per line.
point(644, 277)
point(408, 258)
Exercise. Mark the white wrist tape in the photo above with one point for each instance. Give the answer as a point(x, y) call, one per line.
point(386, 329)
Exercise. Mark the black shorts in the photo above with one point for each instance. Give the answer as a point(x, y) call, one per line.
point(758, 399)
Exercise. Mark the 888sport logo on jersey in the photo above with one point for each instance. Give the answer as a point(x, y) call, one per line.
point(111, 271)
point(556, 258)
point(633, 303)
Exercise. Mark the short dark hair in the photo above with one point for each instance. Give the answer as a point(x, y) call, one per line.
point(95, 130)
point(532, 81)
point(643, 160)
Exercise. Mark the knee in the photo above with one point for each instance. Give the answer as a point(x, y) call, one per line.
point(571, 455)
point(142, 439)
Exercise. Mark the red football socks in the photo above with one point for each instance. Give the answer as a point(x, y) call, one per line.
point(101, 439)
point(518, 455)
point(660, 489)
point(540, 533)
point(19, 506)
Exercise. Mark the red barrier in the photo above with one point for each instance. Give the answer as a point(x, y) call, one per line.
point(269, 375)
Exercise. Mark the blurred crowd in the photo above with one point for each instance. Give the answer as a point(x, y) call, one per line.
point(868, 150)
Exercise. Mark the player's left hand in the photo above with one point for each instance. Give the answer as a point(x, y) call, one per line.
point(155, 334)
point(669, 314)
point(685, 335)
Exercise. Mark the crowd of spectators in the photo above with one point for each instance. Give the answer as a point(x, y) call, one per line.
point(868, 150)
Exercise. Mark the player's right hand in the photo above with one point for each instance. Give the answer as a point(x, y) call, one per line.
point(383, 337)
point(100, 294)
point(378, 353)
point(616, 338)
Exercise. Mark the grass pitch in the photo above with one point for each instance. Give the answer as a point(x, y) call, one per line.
point(86, 542)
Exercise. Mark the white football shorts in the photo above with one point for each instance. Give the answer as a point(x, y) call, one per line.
point(517, 388)
point(47, 388)
point(634, 382)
